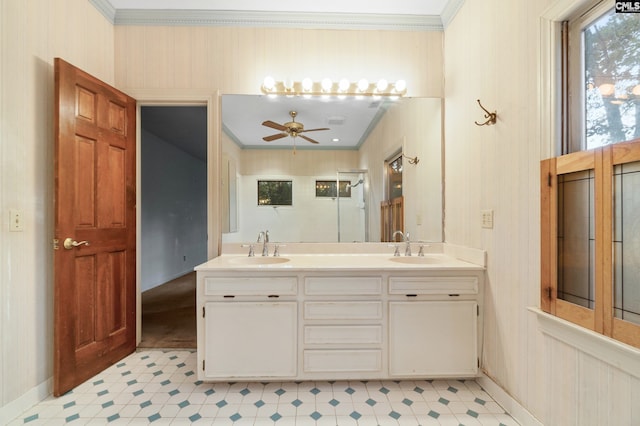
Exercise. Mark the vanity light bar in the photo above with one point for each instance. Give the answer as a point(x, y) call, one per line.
point(327, 87)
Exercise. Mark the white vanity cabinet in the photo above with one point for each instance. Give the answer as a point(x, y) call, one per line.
point(343, 327)
point(433, 326)
point(437, 319)
point(250, 324)
point(338, 323)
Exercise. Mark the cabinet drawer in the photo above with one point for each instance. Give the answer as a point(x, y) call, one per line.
point(343, 310)
point(343, 334)
point(343, 286)
point(250, 286)
point(433, 285)
point(342, 360)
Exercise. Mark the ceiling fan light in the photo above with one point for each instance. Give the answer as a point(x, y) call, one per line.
point(363, 84)
point(401, 86)
point(307, 84)
point(343, 85)
point(382, 85)
point(326, 84)
point(269, 83)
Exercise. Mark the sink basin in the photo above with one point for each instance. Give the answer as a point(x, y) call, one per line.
point(259, 260)
point(417, 260)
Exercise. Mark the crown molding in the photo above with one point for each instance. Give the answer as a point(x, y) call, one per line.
point(106, 8)
point(353, 21)
point(451, 8)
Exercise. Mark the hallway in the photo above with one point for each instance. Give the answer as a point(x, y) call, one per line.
point(169, 315)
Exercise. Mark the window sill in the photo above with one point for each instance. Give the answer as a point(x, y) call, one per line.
point(619, 355)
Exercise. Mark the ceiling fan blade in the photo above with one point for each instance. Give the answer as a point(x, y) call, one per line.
point(308, 139)
point(274, 137)
point(313, 130)
point(274, 125)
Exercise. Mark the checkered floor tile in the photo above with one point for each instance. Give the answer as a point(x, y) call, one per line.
point(161, 388)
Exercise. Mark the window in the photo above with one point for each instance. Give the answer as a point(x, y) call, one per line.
point(394, 177)
point(275, 192)
point(602, 78)
point(590, 265)
point(327, 188)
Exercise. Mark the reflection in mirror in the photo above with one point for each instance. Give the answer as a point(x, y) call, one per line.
point(362, 134)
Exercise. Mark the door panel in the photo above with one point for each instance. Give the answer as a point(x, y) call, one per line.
point(95, 289)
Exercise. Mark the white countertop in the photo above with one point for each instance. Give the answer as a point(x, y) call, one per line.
point(337, 261)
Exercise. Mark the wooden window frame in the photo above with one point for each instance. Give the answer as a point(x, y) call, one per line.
point(602, 161)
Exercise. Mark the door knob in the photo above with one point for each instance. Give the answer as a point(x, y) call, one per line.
point(70, 243)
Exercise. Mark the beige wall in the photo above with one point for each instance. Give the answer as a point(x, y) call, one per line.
point(491, 52)
point(32, 33)
point(236, 60)
point(494, 52)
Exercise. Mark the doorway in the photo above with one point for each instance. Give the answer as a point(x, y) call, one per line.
point(173, 221)
point(352, 203)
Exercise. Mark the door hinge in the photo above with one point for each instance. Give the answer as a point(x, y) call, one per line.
point(478, 310)
point(549, 179)
point(478, 362)
point(56, 244)
point(203, 312)
point(203, 365)
point(549, 292)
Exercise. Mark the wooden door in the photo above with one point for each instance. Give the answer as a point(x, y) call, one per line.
point(95, 233)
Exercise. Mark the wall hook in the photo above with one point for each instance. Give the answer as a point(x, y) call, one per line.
point(411, 160)
point(490, 116)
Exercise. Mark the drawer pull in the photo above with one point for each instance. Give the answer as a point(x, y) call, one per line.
point(412, 295)
point(273, 296)
point(228, 296)
point(454, 295)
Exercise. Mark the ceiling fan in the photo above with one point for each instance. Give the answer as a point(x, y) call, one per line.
point(291, 128)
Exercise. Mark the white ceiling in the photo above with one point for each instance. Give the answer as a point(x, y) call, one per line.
point(396, 7)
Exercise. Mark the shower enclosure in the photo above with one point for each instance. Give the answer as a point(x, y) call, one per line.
point(352, 203)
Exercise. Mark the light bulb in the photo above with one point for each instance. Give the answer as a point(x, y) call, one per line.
point(401, 86)
point(307, 84)
point(343, 85)
point(326, 84)
point(269, 83)
point(363, 84)
point(382, 85)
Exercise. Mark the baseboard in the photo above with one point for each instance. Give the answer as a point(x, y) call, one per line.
point(21, 404)
point(506, 401)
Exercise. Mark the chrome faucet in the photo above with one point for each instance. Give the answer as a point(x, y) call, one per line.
point(405, 238)
point(263, 237)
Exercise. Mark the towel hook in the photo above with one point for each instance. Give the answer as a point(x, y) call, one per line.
point(490, 116)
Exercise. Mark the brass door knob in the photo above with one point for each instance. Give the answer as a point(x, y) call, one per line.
point(70, 243)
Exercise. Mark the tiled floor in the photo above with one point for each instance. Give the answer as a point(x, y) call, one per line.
point(160, 387)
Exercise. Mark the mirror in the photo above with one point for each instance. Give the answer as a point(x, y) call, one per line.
point(370, 132)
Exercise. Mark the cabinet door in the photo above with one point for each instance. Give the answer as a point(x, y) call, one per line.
point(433, 339)
point(250, 339)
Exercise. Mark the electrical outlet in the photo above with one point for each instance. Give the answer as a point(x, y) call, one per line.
point(15, 220)
point(487, 219)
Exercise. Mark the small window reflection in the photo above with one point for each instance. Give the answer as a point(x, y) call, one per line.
point(275, 193)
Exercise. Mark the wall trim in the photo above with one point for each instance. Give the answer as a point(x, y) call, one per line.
point(506, 401)
point(605, 349)
point(24, 402)
point(106, 8)
point(351, 21)
point(450, 10)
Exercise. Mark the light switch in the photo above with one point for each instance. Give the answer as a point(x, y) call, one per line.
point(487, 219)
point(15, 220)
